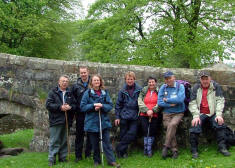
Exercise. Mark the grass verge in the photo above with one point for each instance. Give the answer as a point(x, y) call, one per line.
point(209, 157)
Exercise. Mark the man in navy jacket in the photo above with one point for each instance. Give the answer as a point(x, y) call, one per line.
point(171, 97)
point(126, 111)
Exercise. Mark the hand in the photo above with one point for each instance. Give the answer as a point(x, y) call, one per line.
point(196, 121)
point(67, 107)
point(150, 113)
point(172, 105)
point(219, 120)
point(164, 99)
point(117, 122)
point(98, 105)
point(64, 107)
point(97, 108)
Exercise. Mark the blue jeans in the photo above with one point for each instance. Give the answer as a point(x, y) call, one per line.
point(108, 151)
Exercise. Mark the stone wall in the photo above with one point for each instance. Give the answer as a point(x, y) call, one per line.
point(25, 82)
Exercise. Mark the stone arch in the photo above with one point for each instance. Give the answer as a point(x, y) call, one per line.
point(30, 108)
point(8, 107)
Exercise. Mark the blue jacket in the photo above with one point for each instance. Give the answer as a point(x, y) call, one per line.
point(126, 105)
point(174, 95)
point(92, 117)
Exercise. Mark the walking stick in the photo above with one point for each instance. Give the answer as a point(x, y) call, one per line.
point(150, 119)
point(101, 141)
point(67, 131)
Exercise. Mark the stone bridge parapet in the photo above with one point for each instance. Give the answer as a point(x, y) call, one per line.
point(25, 82)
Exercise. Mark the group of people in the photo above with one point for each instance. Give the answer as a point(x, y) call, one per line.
point(89, 103)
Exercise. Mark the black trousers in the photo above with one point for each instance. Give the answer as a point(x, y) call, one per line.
point(153, 126)
point(128, 131)
point(219, 129)
point(80, 135)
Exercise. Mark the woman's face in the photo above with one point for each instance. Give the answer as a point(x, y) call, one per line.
point(95, 82)
point(152, 84)
point(130, 80)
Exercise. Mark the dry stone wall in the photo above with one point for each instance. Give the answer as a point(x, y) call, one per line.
point(25, 82)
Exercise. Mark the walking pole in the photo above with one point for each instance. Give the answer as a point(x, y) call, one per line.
point(101, 142)
point(67, 131)
point(150, 119)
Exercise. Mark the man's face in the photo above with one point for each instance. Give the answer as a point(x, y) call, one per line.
point(63, 83)
point(130, 80)
point(170, 80)
point(205, 81)
point(84, 74)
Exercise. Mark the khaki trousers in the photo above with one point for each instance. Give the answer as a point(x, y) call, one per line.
point(171, 122)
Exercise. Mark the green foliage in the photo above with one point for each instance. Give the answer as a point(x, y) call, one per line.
point(42, 95)
point(20, 138)
point(158, 33)
point(36, 28)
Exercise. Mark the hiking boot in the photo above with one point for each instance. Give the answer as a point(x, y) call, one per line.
point(87, 156)
point(51, 163)
point(121, 155)
point(164, 152)
point(175, 155)
point(96, 164)
point(150, 155)
point(63, 160)
point(125, 155)
point(78, 159)
point(195, 154)
point(224, 151)
point(114, 164)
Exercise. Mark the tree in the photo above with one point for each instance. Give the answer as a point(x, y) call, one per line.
point(172, 33)
point(36, 28)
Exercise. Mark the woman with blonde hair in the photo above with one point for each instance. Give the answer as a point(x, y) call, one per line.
point(94, 101)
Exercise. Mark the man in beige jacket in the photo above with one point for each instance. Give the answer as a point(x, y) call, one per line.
point(206, 105)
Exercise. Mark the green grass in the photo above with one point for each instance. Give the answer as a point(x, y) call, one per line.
point(19, 138)
point(209, 157)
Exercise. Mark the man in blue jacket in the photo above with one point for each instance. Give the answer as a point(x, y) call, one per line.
point(171, 97)
point(126, 111)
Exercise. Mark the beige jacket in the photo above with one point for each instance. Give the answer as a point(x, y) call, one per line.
point(214, 97)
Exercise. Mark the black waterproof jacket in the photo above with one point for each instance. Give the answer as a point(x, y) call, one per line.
point(78, 90)
point(54, 103)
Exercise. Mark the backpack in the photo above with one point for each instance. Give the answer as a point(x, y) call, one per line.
point(187, 87)
point(229, 137)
